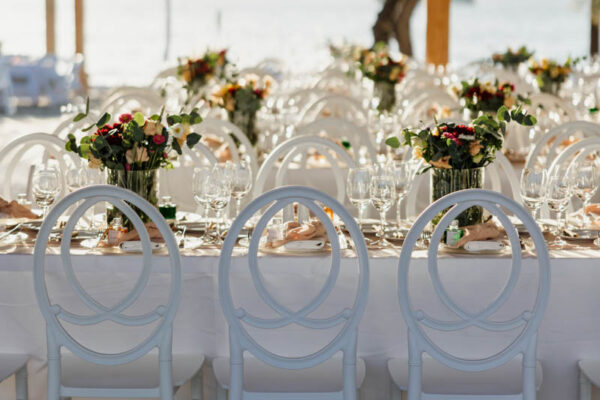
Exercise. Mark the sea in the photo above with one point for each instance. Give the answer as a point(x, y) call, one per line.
point(126, 40)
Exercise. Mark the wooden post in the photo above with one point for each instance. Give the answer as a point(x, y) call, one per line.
point(594, 31)
point(79, 39)
point(438, 24)
point(50, 28)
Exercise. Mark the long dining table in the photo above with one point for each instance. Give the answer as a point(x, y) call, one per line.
point(569, 331)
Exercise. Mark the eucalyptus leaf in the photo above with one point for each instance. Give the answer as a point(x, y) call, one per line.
point(103, 120)
point(79, 117)
point(393, 142)
point(139, 119)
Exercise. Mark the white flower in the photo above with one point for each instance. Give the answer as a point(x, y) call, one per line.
point(466, 137)
point(177, 130)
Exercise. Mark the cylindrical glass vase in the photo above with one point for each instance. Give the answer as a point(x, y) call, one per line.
point(446, 181)
point(142, 182)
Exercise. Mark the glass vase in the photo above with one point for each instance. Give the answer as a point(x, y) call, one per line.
point(446, 181)
point(386, 93)
point(143, 183)
point(549, 86)
point(246, 121)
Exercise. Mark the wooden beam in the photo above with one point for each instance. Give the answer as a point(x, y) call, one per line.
point(594, 31)
point(438, 27)
point(79, 39)
point(50, 28)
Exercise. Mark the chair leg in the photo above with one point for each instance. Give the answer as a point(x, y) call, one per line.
point(396, 392)
point(585, 387)
point(197, 385)
point(221, 393)
point(21, 383)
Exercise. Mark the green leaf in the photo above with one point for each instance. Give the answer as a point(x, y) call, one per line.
point(346, 144)
point(503, 114)
point(79, 117)
point(530, 120)
point(139, 118)
point(393, 142)
point(155, 117)
point(103, 120)
point(88, 128)
point(176, 147)
point(173, 119)
point(87, 106)
point(191, 139)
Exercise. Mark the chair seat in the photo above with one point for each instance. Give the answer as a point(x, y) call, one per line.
point(11, 363)
point(142, 373)
point(260, 377)
point(440, 379)
point(591, 369)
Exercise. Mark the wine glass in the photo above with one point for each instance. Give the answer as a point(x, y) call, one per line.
point(218, 191)
point(383, 193)
point(558, 193)
point(358, 190)
point(75, 179)
point(533, 188)
point(585, 184)
point(241, 183)
point(46, 185)
point(199, 179)
point(403, 176)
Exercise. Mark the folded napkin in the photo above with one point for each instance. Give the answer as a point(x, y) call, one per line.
point(305, 244)
point(15, 210)
point(296, 232)
point(136, 246)
point(484, 245)
point(593, 208)
point(479, 232)
point(151, 228)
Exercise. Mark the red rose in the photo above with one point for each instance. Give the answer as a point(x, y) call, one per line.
point(158, 139)
point(127, 167)
point(125, 118)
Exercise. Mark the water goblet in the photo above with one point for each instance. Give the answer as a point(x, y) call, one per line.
point(383, 193)
point(558, 193)
point(533, 189)
point(46, 185)
point(585, 184)
point(403, 178)
point(358, 190)
point(218, 192)
point(199, 179)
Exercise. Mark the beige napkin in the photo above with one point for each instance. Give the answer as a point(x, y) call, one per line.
point(479, 232)
point(297, 232)
point(153, 233)
point(15, 210)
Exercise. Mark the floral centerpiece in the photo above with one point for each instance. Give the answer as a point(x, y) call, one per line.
point(133, 148)
point(456, 154)
point(512, 59)
point(377, 65)
point(487, 97)
point(550, 75)
point(196, 72)
point(242, 99)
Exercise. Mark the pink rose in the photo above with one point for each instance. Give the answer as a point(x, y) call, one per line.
point(158, 139)
point(124, 118)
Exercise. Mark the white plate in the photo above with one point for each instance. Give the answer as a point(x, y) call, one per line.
point(135, 246)
point(452, 250)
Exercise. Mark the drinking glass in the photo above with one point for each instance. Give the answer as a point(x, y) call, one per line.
point(358, 190)
point(585, 184)
point(558, 193)
point(199, 179)
point(218, 191)
point(75, 179)
point(403, 177)
point(533, 189)
point(383, 193)
point(241, 183)
point(46, 185)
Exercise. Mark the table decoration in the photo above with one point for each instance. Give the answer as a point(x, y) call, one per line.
point(511, 59)
point(12, 209)
point(377, 65)
point(456, 154)
point(242, 99)
point(133, 149)
point(550, 75)
point(479, 98)
point(197, 72)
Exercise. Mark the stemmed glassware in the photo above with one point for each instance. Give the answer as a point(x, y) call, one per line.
point(585, 183)
point(75, 179)
point(218, 193)
point(46, 185)
point(241, 183)
point(533, 189)
point(358, 190)
point(558, 194)
point(383, 193)
point(403, 176)
point(199, 179)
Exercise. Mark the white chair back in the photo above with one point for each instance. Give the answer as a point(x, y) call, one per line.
point(420, 340)
point(575, 153)
point(161, 317)
point(238, 318)
point(550, 110)
point(337, 106)
point(67, 125)
point(133, 99)
point(14, 154)
point(553, 139)
point(341, 129)
point(426, 106)
point(298, 146)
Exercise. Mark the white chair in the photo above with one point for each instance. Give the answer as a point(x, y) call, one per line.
point(298, 147)
point(425, 106)
point(133, 372)
point(302, 98)
point(500, 176)
point(67, 125)
point(548, 145)
point(341, 129)
point(16, 158)
point(320, 372)
point(133, 99)
point(478, 377)
point(550, 109)
point(7, 96)
point(224, 130)
point(574, 153)
point(338, 82)
point(337, 106)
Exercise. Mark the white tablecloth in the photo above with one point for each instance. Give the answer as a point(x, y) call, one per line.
point(569, 331)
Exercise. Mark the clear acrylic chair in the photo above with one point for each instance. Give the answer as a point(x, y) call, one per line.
point(267, 374)
point(433, 371)
point(75, 369)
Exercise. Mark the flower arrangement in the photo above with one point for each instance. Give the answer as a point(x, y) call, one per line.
point(550, 74)
point(135, 142)
point(197, 72)
point(456, 146)
point(242, 99)
point(477, 96)
point(512, 59)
